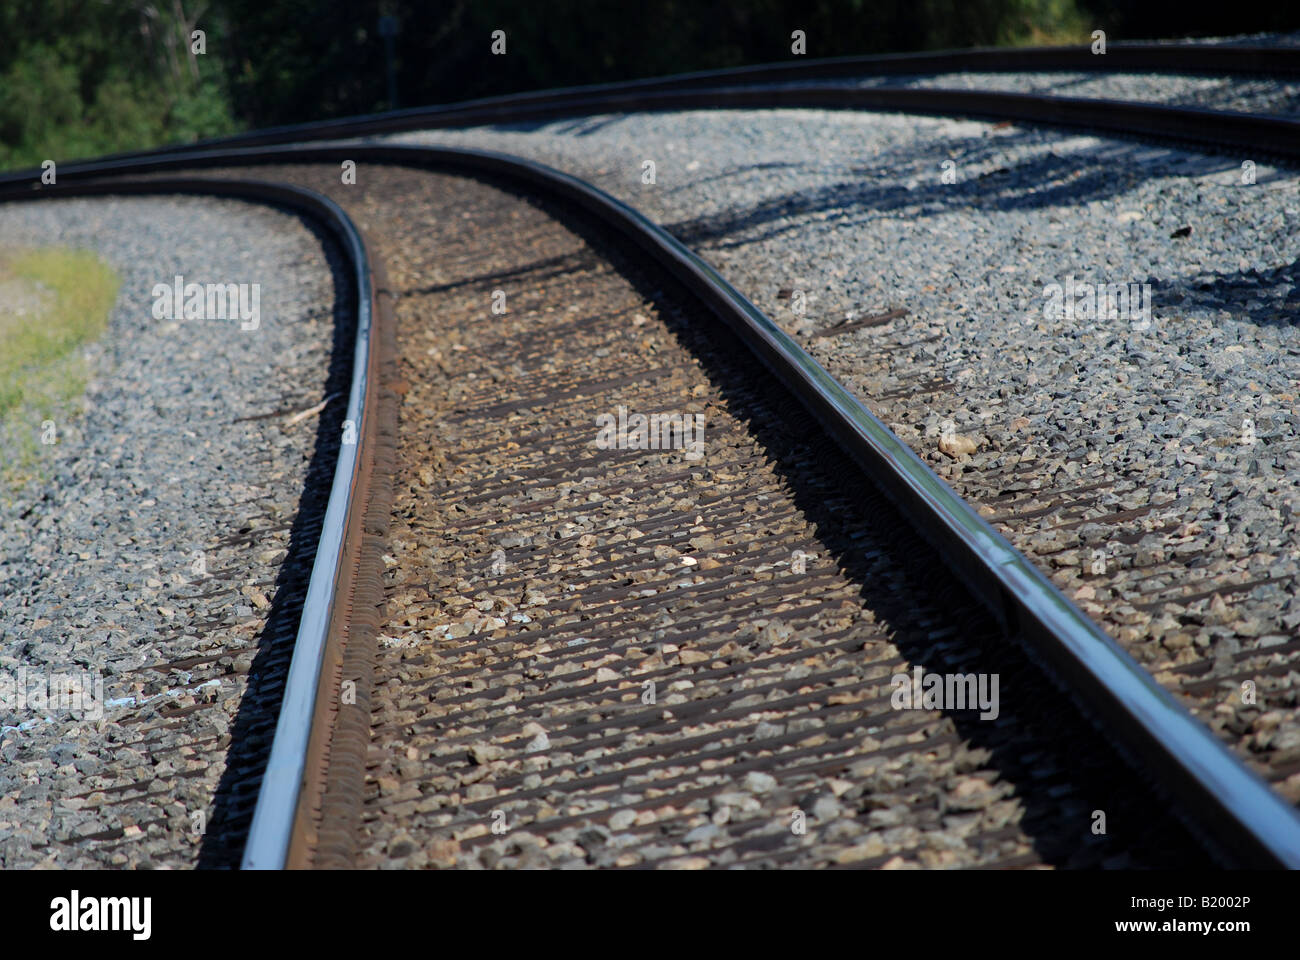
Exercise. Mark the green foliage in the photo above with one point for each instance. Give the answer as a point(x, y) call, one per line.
point(201, 112)
point(80, 290)
point(52, 302)
point(84, 77)
point(87, 77)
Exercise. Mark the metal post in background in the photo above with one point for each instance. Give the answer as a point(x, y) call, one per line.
point(388, 30)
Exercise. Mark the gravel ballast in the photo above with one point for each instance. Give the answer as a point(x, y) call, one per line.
point(165, 552)
point(1218, 92)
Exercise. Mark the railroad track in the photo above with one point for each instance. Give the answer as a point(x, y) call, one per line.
point(476, 739)
point(541, 589)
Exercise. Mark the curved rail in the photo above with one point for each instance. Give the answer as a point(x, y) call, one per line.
point(1264, 135)
point(1234, 811)
point(337, 581)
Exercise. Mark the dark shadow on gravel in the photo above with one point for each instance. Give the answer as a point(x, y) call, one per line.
point(879, 190)
point(572, 126)
point(1061, 768)
point(1264, 298)
point(249, 742)
point(537, 271)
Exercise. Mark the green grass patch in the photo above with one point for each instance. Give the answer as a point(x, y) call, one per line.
point(53, 301)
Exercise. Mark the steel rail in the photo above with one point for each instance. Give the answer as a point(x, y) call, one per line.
point(1265, 135)
point(281, 797)
point(1195, 58)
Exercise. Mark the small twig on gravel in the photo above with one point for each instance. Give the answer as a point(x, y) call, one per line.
point(309, 412)
point(846, 325)
point(297, 415)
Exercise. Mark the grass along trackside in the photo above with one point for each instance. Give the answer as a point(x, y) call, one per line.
point(53, 301)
